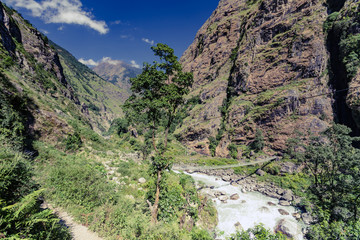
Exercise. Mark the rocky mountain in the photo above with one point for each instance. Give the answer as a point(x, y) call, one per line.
point(46, 84)
point(269, 65)
point(117, 72)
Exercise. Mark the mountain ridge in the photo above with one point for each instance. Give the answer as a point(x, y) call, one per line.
point(256, 66)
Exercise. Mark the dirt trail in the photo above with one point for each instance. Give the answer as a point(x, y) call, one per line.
point(78, 231)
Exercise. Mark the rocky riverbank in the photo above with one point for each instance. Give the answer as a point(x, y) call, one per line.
point(285, 197)
point(239, 209)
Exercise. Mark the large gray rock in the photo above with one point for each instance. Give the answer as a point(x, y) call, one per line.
point(287, 196)
point(260, 172)
point(223, 198)
point(288, 228)
point(226, 178)
point(283, 212)
point(307, 218)
point(284, 203)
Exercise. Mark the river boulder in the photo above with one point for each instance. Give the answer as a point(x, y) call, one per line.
point(234, 196)
point(288, 228)
point(283, 212)
point(284, 203)
point(223, 198)
point(238, 226)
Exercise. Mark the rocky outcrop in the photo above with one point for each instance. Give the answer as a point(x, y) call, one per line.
point(258, 65)
point(31, 50)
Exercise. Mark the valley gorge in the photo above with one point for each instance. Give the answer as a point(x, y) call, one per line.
point(252, 123)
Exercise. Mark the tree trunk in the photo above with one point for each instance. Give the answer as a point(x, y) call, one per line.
point(153, 140)
point(167, 131)
point(154, 209)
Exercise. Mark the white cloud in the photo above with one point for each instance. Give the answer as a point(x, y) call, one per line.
point(134, 64)
point(88, 62)
point(61, 11)
point(61, 28)
point(109, 60)
point(151, 42)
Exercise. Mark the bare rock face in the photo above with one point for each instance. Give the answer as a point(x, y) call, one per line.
point(258, 66)
point(14, 29)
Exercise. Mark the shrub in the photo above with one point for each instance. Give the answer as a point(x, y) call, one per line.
point(200, 234)
point(119, 126)
point(212, 145)
point(233, 150)
point(73, 142)
point(258, 144)
point(259, 232)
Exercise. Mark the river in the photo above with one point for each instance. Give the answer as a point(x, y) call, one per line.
point(249, 210)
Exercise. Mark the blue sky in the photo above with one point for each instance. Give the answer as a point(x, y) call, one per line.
point(117, 29)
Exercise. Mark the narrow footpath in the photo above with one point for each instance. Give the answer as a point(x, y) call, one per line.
point(78, 231)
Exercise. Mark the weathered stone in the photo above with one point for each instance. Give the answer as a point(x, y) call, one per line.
point(297, 216)
point(271, 204)
point(234, 196)
point(287, 228)
point(287, 196)
point(223, 198)
point(284, 203)
point(238, 226)
point(260, 172)
point(226, 178)
point(307, 218)
point(283, 212)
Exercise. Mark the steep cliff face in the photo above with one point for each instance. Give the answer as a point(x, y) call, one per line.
point(343, 37)
point(258, 65)
point(30, 49)
point(56, 91)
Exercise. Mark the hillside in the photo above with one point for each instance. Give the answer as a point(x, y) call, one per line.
point(263, 66)
point(100, 100)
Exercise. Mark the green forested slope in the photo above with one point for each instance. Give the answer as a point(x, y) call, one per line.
point(101, 99)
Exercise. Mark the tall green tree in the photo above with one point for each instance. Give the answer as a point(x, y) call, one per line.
point(158, 92)
point(335, 166)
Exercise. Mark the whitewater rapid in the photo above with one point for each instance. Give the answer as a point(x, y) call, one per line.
point(249, 210)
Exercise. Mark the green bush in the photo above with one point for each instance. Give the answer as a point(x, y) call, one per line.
point(259, 232)
point(258, 144)
point(200, 234)
point(73, 141)
point(73, 180)
point(15, 176)
point(212, 145)
point(21, 215)
point(233, 150)
point(119, 126)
